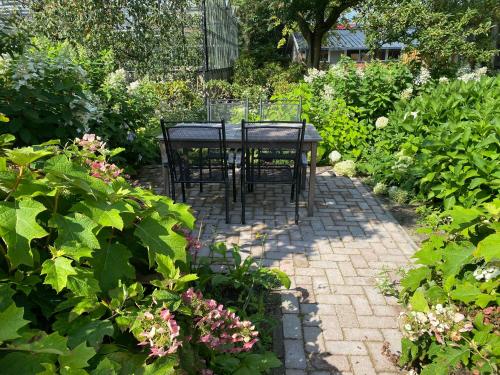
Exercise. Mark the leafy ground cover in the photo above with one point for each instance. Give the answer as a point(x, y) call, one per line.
point(98, 275)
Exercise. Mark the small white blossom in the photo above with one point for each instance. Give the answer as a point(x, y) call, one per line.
point(381, 122)
point(444, 80)
point(133, 86)
point(423, 77)
point(345, 168)
point(334, 156)
point(407, 93)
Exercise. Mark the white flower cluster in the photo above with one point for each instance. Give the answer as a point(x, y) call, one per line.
point(407, 93)
point(398, 195)
point(380, 188)
point(334, 156)
point(444, 80)
point(381, 122)
point(438, 322)
point(486, 273)
point(133, 86)
point(345, 168)
point(329, 92)
point(313, 74)
point(476, 75)
point(116, 79)
point(402, 162)
point(360, 72)
point(423, 77)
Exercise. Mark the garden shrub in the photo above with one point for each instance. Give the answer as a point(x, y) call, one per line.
point(95, 276)
point(43, 92)
point(452, 298)
point(443, 145)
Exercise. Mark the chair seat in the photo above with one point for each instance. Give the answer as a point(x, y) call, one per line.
point(265, 174)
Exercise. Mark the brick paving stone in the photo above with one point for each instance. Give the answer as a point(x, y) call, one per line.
point(334, 319)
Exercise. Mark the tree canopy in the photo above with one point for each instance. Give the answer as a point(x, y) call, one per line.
point(444, 33)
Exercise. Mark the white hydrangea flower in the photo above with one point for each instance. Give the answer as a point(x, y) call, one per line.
point(380, 188)
point(381, 122)
point(133, 86)
point(329, 92)
point(476, 75)
point(345, 168)
point(444, 80)
point(116, 79)
point(360, 72)
point(334, 156)
point(313, 74)
point(407, 93)
point(423, 77)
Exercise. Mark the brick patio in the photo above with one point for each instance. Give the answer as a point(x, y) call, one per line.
point(334, 319)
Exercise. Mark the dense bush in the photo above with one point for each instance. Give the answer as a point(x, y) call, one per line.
point(443, 146)
point(95, 274)
point(452, 319)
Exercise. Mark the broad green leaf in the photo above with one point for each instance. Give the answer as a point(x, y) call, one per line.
point(157, 235)
point(166, 266)
point(11, 320)
point(283, 277)
point(414, 277)
point(77, 358)
point(3, 118)
point(111, 264)
point(162, 366)
point(418, 301)
point(19, 363)
point(57, 271)
point(466, 292)
point(461, 215)
point(90, 331)
point(43, 343)
point(6, 294)
point(489, 248)
point(26, 155)
point(104, 214)
point(484, 299)
point(74, 230)
point(431, 252)
point(181, 212)
point(83, 283)
point(106, 367)
point(18, 227)
point(456, 255)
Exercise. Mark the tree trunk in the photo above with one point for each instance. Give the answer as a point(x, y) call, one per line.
point(314, 49)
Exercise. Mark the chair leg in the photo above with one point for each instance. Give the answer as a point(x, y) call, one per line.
point(234, 182)
point(183, 188)
point(226, 198)
point(293, 193)
point(242, 197)
point(173, 191)
point(298, 181)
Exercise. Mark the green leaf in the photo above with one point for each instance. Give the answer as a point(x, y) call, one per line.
point(18, 363)
point(90, 331)
point(77, 358)
point(43, 343)
point(162, 366)
point(74, 230)
point(83, 283)
point(282, 277)
point(11, 320)
point(431, 252)
point(414, 277)
point(466, 292)
point(456, 255)
point(18, 227)
point(57, 271)
point(111, 264)
point(157, 235)
point(104, 214)
point(106, 367)
point(26, 155)
point(166, 267)
point(418, 301)
point(489, 248)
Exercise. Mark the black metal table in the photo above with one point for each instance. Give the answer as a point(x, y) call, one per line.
point(233, 140)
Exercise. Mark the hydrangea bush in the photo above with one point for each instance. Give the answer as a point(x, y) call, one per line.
point(96, 273)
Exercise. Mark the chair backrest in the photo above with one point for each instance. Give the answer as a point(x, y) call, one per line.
point(280, 110)
point(281, 139)
point(232, 111)
point(188, 146)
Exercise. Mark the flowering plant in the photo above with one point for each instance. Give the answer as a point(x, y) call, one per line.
point(159, 331)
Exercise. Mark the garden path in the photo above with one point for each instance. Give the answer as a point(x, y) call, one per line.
point(334, 319)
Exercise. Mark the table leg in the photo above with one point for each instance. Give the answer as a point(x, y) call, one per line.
point(312, 181)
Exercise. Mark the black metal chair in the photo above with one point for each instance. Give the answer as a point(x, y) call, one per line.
point(232, 111)
point(187, 146)
point(271, 154)
point(280, 110)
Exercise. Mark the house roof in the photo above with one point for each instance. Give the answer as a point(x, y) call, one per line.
point(340, 40)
